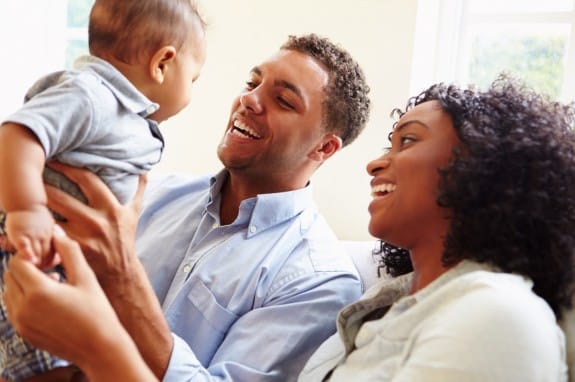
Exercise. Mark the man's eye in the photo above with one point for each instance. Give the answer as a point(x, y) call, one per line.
point(285, 103)
point(250, 85)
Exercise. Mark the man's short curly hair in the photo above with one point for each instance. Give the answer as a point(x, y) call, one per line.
point(511, 184)
point(347, 105)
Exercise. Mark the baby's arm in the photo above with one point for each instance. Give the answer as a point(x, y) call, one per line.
point(29, 223)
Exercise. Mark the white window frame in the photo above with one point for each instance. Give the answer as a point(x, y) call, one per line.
point(442, 33)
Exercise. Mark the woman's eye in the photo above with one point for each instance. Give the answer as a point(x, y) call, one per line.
point(406, 140)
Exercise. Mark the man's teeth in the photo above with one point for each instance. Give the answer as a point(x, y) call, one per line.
point(382, 188)
point(244, 130)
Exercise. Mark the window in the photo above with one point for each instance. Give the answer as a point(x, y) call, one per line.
point(77, 14)
point(472, 41)
point(47, 36)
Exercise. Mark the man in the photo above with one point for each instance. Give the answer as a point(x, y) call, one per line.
point(249, 275)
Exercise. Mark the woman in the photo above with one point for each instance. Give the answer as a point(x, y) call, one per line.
point(477, 188)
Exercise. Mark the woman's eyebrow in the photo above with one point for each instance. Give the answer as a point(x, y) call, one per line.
point(409, 122)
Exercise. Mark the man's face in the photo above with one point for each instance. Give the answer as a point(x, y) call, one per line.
point(276, 121)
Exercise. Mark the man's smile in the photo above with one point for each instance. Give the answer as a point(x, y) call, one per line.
point(241, 129)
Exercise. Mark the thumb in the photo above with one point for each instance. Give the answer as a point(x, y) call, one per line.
point(139, 196)
point(75, 265)
point(24, 249)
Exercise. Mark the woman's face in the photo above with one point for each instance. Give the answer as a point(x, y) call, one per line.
point(404, 210)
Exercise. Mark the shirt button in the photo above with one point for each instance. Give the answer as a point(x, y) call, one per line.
point(187, 268)
point(253, 229)
point(215, 225)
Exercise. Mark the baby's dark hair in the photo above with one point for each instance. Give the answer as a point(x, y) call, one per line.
point(130, 29)
point(510, 186)
point(347, 105)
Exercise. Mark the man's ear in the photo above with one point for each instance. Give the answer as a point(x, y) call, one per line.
point(329, 145)
point(160, 62)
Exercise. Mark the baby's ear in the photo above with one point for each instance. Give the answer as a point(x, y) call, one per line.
point(161, 61)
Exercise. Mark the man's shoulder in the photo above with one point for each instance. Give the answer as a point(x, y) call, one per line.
point(164, 189)
point(176, 179)
point(325, 250)
point(175, 183)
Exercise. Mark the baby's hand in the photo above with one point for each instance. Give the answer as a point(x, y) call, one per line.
point(30, 233)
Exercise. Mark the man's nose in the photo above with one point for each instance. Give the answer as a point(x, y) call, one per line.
point(252, 101)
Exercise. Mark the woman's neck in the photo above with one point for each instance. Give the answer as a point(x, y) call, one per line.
point(427, 266)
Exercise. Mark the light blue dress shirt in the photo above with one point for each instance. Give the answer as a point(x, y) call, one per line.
point(249, 301)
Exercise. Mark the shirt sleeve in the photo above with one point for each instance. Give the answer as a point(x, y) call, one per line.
point(61, 117)
point(273, 342)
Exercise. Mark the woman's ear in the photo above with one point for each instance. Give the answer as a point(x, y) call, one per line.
point(160, 63)
point(329, 145)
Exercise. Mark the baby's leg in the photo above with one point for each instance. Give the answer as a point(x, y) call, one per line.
point(60, 374)
point(60, 181)
point(19, 360)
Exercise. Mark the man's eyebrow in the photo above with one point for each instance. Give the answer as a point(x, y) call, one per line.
point(281, 83)
point(409, 122)
point(290, 86)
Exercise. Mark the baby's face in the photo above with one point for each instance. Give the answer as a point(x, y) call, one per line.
point(175, 92)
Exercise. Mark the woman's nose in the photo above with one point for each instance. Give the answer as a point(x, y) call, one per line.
point(378, 164)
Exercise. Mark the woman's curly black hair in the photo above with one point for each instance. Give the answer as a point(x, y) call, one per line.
point(510, 186)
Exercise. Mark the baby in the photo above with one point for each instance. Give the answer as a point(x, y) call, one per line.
point(104, 115)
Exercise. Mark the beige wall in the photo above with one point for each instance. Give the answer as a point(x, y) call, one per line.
point(379, 33)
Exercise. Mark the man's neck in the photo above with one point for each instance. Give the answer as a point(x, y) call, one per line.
point(237, 189)
point(229, 203)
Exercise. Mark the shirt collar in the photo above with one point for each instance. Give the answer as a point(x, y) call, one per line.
point(126, 93)
point(464, 267)
point(264, 210)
